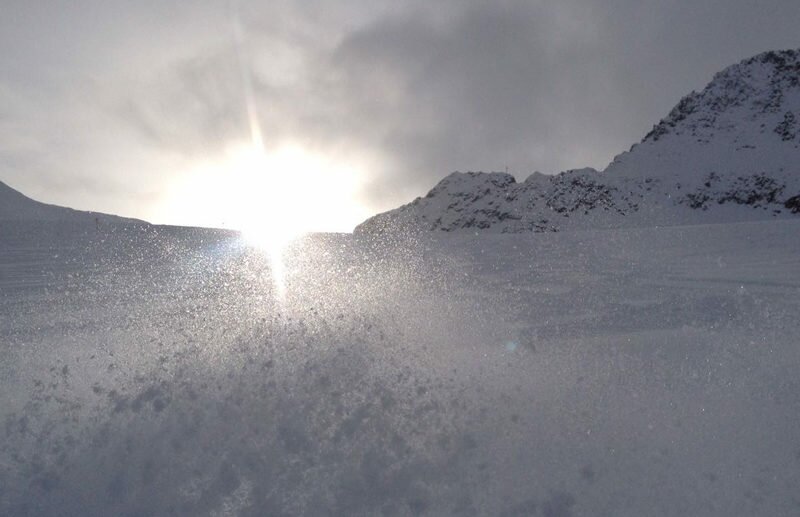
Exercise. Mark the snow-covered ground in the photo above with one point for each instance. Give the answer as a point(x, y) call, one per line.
point(153, 371)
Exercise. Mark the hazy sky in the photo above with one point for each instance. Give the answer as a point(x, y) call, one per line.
point(137, 107)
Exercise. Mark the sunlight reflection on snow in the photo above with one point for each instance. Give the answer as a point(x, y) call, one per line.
point(398, 379)
point(276, 252)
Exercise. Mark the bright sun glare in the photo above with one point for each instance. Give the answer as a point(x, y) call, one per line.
point(272, 195)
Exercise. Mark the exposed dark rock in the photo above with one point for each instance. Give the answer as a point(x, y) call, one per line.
point(787, 129)
point(793, 204)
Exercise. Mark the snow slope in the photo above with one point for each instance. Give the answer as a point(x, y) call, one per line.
point(627, 372)
point(15, 206)
point(728, 153)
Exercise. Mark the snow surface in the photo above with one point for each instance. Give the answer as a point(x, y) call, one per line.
point(626, 372)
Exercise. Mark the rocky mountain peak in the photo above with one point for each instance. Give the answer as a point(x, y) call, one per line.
point(727, 153)
point(469, 182)
point(768, 83)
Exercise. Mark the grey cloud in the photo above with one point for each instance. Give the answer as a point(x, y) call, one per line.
point(190, 107)
point(530, 85)
point(495, 86)
point(479, 88)
point(425, 87)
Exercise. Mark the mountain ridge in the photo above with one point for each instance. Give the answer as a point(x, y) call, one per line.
point(16, 206)
point(730, 152)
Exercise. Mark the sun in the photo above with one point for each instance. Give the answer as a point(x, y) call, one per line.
point(282, 193)
point(272, 195)
point(266, 200)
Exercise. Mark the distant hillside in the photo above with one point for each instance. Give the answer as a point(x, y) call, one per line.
point(728, 153)
point(15, 206)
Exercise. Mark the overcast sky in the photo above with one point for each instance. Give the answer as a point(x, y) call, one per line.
point(114, 105)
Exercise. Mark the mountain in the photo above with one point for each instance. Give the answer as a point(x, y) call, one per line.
point(728, 153)
point(15, 206)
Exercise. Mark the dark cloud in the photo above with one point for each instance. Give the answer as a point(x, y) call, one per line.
point(527, 85)
point(493, 87)
point(92, 88)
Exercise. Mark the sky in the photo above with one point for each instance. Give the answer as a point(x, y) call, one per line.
point(186, 112)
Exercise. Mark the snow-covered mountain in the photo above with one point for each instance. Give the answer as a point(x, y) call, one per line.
point(15, 206)
point(728, 153)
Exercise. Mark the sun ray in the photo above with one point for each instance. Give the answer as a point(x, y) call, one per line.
point(273, 190)
point(273, 243)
